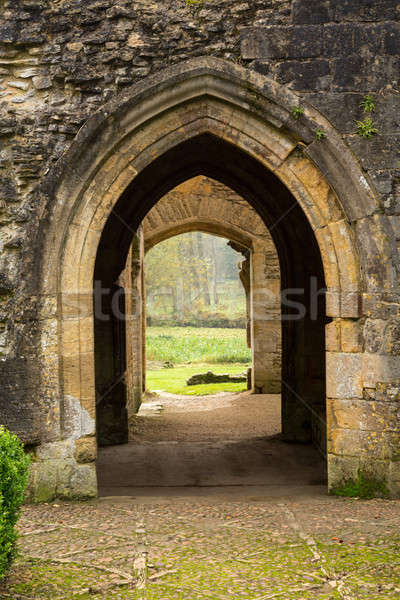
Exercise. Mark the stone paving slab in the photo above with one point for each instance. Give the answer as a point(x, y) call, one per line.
point(253, 548)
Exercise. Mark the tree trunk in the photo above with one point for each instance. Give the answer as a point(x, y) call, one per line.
point(204, 275)
point(215, 273)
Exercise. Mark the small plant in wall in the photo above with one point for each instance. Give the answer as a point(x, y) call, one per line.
point(320, 134)
point(366, 129)
point(195, 7)
point(368, 103)
point(297, 112)
point(238, 60)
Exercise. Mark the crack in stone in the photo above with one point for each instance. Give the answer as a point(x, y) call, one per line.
point(140, 561)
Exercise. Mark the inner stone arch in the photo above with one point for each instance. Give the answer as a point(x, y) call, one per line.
point(303, 366)
point(198, 204)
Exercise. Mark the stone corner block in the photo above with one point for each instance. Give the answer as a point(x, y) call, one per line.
point(332, 336)
point(380, 368)
point(83, 483)
point(343, 375)
point(85, 450)
point(340, 469)
point(351, 336)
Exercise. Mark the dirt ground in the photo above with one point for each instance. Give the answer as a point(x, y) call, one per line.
point(273, 538)
point(208, 442)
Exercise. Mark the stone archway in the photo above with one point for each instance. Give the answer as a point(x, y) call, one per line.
point(203, 204)
point(214, 118)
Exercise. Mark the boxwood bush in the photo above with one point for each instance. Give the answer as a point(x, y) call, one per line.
point(14, 465)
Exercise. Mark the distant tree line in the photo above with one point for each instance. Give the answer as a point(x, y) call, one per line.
point(192, 273)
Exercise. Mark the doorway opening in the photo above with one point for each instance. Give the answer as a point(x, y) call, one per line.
point(197, 340)
point(182, 272)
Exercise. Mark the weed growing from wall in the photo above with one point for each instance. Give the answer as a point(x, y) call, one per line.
point(297, 112)
point(366, 129)
point(367, 103)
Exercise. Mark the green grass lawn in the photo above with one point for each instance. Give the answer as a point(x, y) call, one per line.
point(174, 380)
point(195, 350)
point(181, 345)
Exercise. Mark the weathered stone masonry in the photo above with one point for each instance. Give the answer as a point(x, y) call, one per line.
point(65, 64)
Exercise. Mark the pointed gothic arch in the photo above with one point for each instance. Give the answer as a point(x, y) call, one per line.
point(208, 116)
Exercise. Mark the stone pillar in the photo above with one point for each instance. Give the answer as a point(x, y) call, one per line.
point(245, 278)
point(265, 321)
point(133, 277)
point(363, 404)
point(63, 465)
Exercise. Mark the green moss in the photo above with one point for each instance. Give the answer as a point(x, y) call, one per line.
point(365, 486)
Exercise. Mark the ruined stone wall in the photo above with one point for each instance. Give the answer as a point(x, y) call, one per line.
point(62, 60)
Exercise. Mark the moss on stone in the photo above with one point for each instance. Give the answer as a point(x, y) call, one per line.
point(364, 486)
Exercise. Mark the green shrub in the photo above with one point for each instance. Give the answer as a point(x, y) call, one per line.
point(13, 479)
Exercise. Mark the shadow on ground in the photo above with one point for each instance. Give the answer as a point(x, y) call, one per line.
point(185, 446)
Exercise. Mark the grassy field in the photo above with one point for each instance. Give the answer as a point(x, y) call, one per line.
point(195, 350)
point(183, 345)
point(174, 380)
